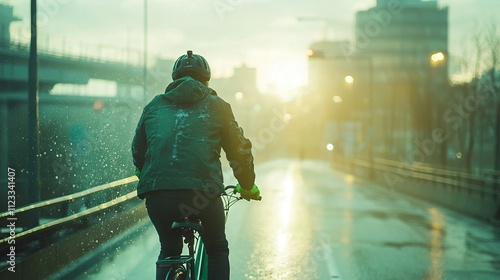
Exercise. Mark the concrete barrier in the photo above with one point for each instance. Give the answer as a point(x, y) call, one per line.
point(481, 201)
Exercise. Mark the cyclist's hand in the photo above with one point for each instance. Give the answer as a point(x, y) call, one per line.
point(138, 173)
point(253, 193)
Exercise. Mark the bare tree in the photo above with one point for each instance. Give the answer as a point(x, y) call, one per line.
point(478, 40)
point(480, 62)
point(470, 63)
point(493, 43)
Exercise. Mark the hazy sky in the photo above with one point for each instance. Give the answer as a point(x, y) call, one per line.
point(264, 34)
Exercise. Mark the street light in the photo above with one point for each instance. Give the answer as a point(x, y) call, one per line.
point(436, 57)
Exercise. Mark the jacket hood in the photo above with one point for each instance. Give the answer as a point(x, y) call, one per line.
point(186, 90)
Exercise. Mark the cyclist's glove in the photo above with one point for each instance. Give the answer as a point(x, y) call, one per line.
point(253, 193)
point(138, 173)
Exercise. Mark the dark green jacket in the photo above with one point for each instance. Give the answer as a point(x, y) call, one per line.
point(179, 137)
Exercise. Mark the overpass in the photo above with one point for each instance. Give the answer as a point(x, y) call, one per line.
point(61, 68)
point(121, 65)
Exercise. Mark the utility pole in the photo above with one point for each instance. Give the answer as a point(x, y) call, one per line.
point(145, 72)
point(33, 120)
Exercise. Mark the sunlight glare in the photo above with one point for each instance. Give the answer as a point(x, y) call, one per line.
point(286, 208)
point(346, 228)
point(437, 222)
point(285, 78)
point(282, 240)
point(349, 179)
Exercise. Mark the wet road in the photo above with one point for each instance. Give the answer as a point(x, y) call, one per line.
point(317, 223)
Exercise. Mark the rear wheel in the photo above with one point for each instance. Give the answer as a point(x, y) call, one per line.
point(176, 273)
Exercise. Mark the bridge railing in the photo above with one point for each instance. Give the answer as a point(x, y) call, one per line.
point(477, 194)
point(60, 241)
point(112, 198)
point(486, 182)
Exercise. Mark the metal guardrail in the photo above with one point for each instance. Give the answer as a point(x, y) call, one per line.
point(488, 176)
point(487, 182)
point(69, 198)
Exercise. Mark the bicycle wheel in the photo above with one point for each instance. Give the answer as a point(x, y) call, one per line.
point(176, 273)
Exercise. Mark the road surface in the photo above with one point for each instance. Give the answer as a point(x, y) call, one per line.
point(318, 223)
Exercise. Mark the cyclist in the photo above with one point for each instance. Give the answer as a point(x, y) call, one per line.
point(176, 151)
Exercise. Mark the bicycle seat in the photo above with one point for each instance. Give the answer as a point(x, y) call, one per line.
point(185, 226)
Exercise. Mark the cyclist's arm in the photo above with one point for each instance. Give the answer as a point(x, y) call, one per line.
point(238, 148)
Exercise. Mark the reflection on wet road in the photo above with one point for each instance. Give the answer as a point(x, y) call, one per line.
point(316, 223)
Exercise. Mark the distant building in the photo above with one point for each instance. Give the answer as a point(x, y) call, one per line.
point(240, 90)
point(337, 97)
point(408, 43)
point(327, 67)
point(401, 35)
point(393, 78)
point(243, 81)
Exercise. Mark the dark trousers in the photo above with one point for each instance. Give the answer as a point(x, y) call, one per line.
point(165, 207)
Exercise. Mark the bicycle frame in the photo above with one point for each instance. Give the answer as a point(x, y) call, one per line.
point(201, 260)
point(196, 263)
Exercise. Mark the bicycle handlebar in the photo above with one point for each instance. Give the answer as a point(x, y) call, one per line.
point(228, 187)
point(233, 187)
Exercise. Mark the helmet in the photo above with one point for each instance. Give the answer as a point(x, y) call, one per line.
point(193, 65)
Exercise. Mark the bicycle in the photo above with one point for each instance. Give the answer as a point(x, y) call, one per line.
point(191, 267)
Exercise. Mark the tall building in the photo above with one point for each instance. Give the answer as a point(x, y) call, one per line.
point(402, 34)
point(407, 41)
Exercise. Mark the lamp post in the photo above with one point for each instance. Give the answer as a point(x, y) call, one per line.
point(370, 128)
point(370, 134)
point(436, 61)
point(145, 70)
point(33, 120)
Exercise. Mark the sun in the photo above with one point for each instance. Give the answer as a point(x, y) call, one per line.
point(285, 78)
